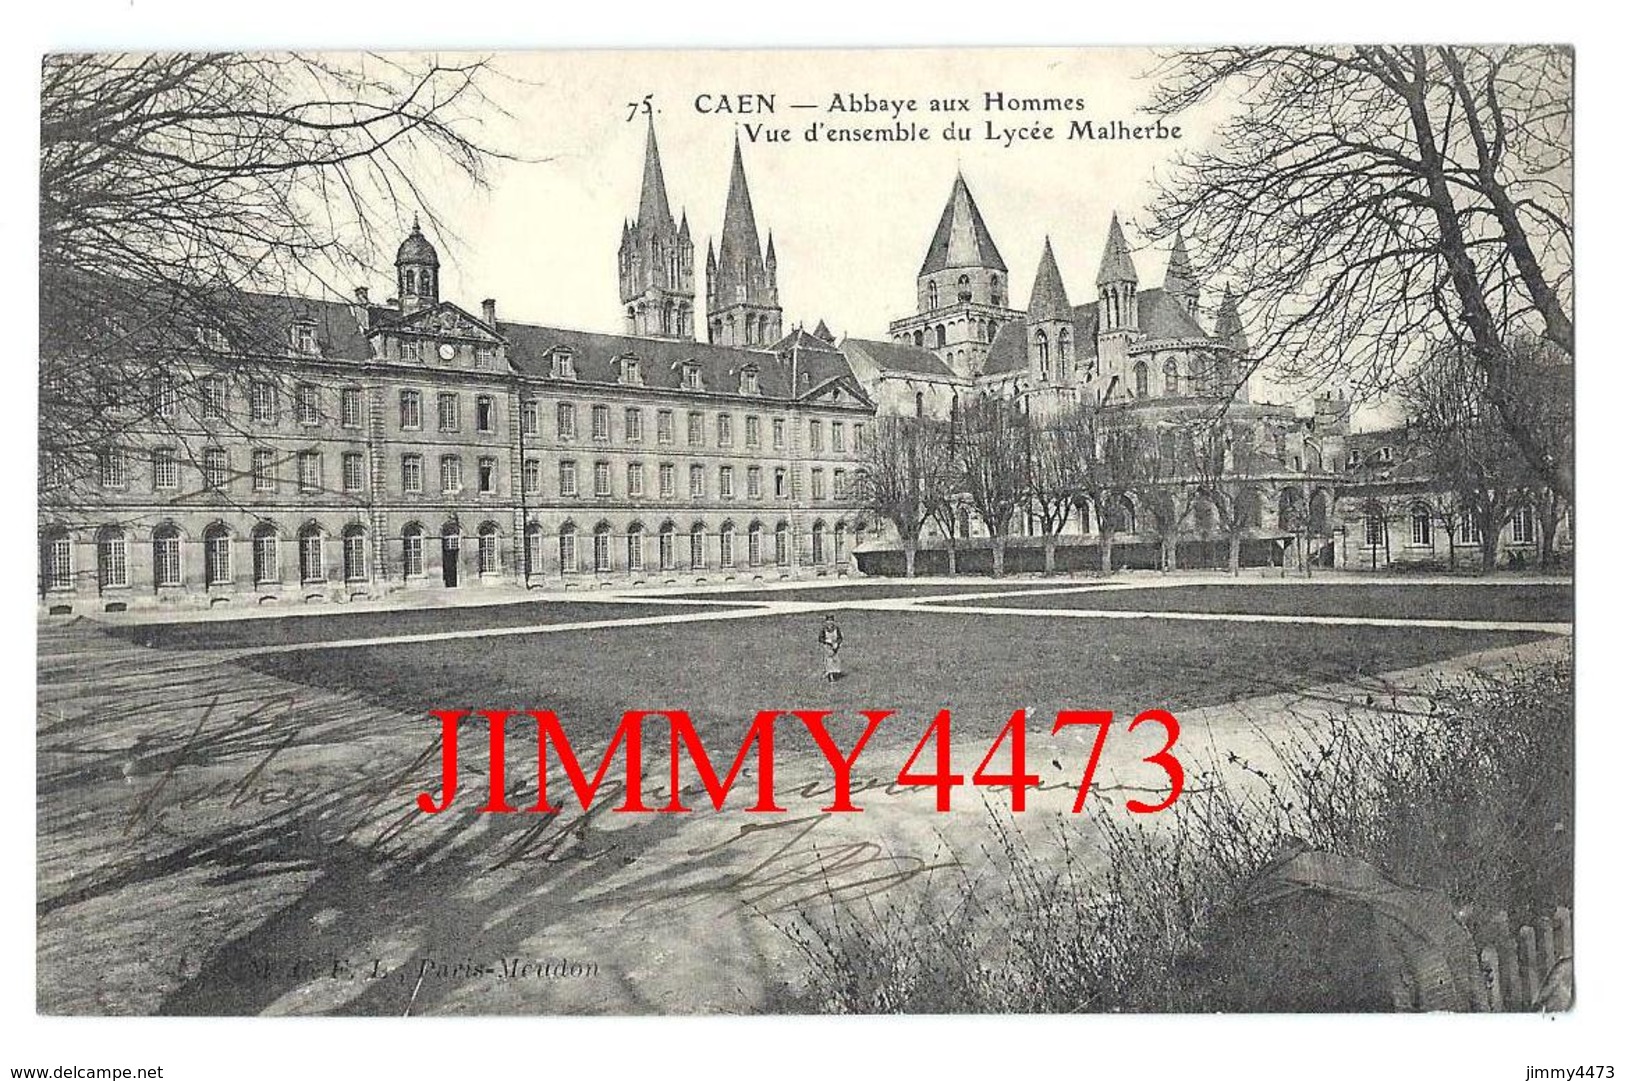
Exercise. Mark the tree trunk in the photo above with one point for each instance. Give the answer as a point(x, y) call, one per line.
point(1235, 553)
point(998, 556)
point(1106, 551)
point(1049, 554)
point(1170, 554)
point(909, 548)
point(1550, 512)
point(953, 557)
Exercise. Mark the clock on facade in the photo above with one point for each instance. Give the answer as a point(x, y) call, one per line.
point(447, 351)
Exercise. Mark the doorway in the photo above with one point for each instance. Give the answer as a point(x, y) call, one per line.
point(450, 548)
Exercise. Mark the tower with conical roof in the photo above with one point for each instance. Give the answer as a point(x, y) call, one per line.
point(1051, 344)
point(961, 293)
point(741, 283)
point(1179, 282)
point(657, 259)
point(1117, 289)
point(1227, 324)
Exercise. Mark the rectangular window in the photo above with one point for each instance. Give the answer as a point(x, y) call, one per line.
point(59, 562)
point(837, 437)
point(567, 553)
point(567, 479)
point(725, 482)
point(354, 471)
point(306, 404)
point(696, 482)
point(634, 480)
point(304, 338)
point(412, 553)
point(488, 476)
point(725, 430)
point(781, 484)
point(634, 425)
point(485, 356)
point(725, 547)
point(668, 481)
point(215, 467)
point(600, 551)
point(166, 400)
point(857, 439)
point(411, 410)
point(668, 550)
point(449, 413)
point(664, 428)
point(411, 350)
point(838, 490)
point(166, 559)
point(753, 431)
point(753, 546)
point(113, 560)
point(263, 468)
point(691, 377)
point(634, 551)
point(412, 474)
point(818, 484)
point(451, 474)
point(567, 420)
point(600, 422)
point(530, 419)
point(564, 366)
point(533, 475)
point(485, 414)
point(166, 471)
point(262, 402)
point(815, 436)
point(696, 430)
point(600, 480)
point(350, 407)
point(1523, 526)
point(778, 433)
point(310, 470)
point(214, 396)
point(753, 482)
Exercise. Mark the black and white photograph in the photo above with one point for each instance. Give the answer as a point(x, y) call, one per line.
point(605, 532)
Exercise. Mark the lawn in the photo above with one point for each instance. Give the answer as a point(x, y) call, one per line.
point(981, 665)
point(333, 626)
point(1518, 603)
point(870, 591)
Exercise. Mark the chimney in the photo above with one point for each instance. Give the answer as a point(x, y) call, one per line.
point(361, 294)
point(488, 308)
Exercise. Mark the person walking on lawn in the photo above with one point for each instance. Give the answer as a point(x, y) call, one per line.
point(830, 639)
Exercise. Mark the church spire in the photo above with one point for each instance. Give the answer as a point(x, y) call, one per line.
point(1049, 300)
point(1227, 325)
point(1116, 265)
point(742, 286)
point(1117, 283)
point(656, 259)
point(1179, 282)
point(654, 209)
point(962, 238)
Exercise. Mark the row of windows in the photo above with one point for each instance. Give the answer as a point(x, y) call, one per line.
point(448, 411)
point(264, 401)
point(264, 471)
point(1468, 532)
point(666, 476)
point(634, 430)
point(312, 547)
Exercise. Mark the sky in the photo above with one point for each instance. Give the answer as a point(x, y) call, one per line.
point(850, 221)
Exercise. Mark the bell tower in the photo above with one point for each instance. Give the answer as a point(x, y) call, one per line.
point(657, 259)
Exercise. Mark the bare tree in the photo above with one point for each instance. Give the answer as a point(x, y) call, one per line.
point(899, 476)
point(1370, 199)
point(181, 192)
point(1062, 450)
point(1222, 458)
point(1122, 458)
point(994, 456)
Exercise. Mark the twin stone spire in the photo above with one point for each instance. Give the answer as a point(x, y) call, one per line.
point(657, 266)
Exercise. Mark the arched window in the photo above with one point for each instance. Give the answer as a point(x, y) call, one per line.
point(568, 561)
point(533, 548)
point(1130, 519)
point(964, 288)
point(112, 558)
point(696, 546)
point(312, 567)
point(840, 542)
point(355, 553)
point(412, 551)
point(56, 559)
point(1375, 526)
point(1041, 344)
point(166, 556)
point(994, 295)
point(1142, 380)
point(919, 403)
point(781, 545)
point(1421, 525)
point(725, 545)
point(1523, 525)
point(753, 549)
point(919, 339)
point(931, 294)
point(668, 547)
point(818, 553)
point(487, 552)
point(217, 555)
point(600, 549)
point(1170, 376)
point(942, 336)
point(634, 548)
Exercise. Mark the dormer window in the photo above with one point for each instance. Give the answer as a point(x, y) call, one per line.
point(302, 335)
point(212, 339)
point(691, 377)
point(748, 381)
point(1354, 458)
point(1385, 455)
point(629, 371)
point(411, 350)
point(564, 366)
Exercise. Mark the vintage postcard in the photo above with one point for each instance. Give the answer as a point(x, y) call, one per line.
point(802, 532)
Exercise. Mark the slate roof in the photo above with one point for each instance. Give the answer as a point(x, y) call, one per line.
point(895, 358)
point(1116, 265)
point(962, 238)
point(1049, 292)
point(1162, 317)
